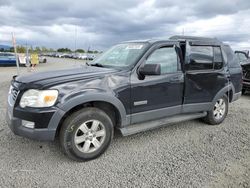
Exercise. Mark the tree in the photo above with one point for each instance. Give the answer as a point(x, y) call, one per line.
point(20, 49)
point(51, 50)
point(80, 51)
point(11, 49)
point(37, 49)
point(44, 49)
point(31, 49)
point(63, 50)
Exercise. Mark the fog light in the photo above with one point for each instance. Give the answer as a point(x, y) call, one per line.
point(28, 124)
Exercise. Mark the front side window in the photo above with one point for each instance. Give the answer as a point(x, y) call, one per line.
point(166, 57)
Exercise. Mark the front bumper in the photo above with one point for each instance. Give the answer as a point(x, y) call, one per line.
point(17, 128)
point(16, 124)
point(246, 85)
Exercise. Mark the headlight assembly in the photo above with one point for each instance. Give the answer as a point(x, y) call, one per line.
point(38, 98)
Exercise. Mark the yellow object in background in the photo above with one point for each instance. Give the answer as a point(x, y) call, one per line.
point(34, 58)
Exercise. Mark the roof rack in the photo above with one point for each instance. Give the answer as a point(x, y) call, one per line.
point(198, 40)
point(181, 37)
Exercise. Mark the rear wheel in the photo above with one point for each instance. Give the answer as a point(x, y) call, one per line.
point(219, 112)
point(86, 134)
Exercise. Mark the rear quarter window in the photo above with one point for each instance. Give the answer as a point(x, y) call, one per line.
point(232, 60)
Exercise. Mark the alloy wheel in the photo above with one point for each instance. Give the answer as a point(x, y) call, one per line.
point(219, 109)
point(90, 136)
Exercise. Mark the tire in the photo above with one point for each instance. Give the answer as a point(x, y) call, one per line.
point(219, 112)
point(86, 134)
point(243, 91)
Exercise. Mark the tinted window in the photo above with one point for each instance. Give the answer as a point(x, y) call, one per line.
point(166, 57)
point(201, 57)
point(218, 61)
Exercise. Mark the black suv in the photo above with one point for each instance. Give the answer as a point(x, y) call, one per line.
point(134, 86)
point(244, 59)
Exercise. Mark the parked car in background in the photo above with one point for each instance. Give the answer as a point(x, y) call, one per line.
point(86, 57)
point(134, 86)
point(7, 58)
point(22, 59)
point(42, 59)
point(243, 57)
point(66, 55)
point(244, 60)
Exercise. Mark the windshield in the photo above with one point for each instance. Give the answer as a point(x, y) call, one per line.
point(121, 55)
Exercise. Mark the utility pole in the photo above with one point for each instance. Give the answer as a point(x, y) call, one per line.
point(75, 37)
point(14, 45)
point(27, 56)
point(183, 32)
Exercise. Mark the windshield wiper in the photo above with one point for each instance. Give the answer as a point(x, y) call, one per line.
point(96, 65)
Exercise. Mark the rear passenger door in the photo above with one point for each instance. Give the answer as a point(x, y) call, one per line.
point(205, 76)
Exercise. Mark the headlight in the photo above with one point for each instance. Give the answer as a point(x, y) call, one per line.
point(39, 98)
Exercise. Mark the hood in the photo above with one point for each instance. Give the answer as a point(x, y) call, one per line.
point(49, 78)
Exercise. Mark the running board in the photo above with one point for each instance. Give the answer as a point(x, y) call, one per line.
point(145, 126)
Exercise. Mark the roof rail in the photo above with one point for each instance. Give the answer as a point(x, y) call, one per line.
point(181, 37)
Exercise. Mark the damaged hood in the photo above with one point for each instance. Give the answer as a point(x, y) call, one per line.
point(246, 66)
point(44, 79)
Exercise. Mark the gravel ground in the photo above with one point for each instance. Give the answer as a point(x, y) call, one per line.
point(188, 154)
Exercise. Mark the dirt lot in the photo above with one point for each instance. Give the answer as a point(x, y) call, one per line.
point(188, 154)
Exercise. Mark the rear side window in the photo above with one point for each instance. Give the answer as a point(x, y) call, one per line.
point(201, 57)
point(205, 58)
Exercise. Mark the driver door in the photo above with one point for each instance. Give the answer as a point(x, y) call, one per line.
point(161, 95)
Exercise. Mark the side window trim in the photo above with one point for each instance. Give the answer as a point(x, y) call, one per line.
point(221, 56)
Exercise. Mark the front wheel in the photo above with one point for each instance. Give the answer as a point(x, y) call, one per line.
point(219, 111)
point(86, 134)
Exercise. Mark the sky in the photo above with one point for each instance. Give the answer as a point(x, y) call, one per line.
point(98, 24)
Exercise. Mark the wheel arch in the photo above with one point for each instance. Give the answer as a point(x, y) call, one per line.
point(228, 90)
point(110, 104)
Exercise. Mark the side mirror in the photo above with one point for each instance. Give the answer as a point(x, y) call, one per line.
point(150, 69)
